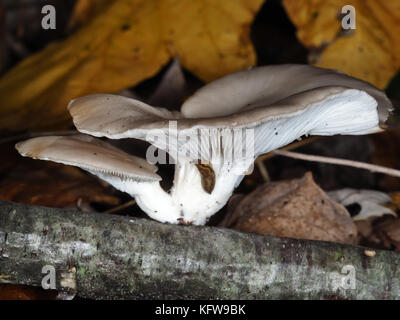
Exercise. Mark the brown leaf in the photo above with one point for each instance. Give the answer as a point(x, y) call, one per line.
point(20, 292)
point(296, 209)
point(207, 177)
point(364, 228)
point(389, 232)
point(50, 184)
point(395, 196)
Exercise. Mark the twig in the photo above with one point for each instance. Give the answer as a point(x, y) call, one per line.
point(263, 170)
point(291, 146)
point(337, 161)
point(121, 207)
point(16, 46)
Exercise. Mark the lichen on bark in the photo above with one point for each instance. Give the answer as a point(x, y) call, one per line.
point(117, 257)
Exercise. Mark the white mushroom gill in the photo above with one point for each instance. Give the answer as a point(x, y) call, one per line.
point(229, 123)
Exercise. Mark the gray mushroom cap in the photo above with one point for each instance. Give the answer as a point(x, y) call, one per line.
point(90, 154)
point(237, 100)
point(281, 103)
point(268, 85)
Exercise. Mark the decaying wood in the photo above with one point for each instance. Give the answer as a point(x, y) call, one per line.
point(108, 256)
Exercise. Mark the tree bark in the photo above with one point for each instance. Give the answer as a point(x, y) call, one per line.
point(114, 257)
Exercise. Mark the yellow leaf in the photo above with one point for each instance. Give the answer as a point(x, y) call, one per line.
point(127, 42)
point(371, 52)
point(84, 10)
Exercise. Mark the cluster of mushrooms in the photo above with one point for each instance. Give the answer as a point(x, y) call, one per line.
point(279, 104)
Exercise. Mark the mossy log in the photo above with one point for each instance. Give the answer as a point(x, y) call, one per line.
point(114, 257)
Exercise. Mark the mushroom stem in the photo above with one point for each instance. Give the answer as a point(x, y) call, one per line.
point(196, 204)
point(187, 201)
point(157, 203)
point(149, 196)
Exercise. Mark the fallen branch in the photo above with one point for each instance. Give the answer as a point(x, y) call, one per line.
point(337, 161)
point(109, 256)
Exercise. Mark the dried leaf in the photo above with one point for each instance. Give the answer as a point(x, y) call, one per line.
point(371, 52)
point(229, 219)
point(395, 196)
point(53, 185)
point(127, 42)
point(207, 177)
point(20, 292)
point(296, 209)
point(364, 228)
point(372, 203)
point(389, 232)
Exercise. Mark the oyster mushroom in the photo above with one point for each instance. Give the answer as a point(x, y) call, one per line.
point(125, 172)
point(217, 135)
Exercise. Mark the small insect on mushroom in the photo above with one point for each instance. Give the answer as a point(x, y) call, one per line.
point(275, 105)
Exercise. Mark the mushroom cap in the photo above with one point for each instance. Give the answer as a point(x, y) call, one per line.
point(107, 114)
point(90, 154)
point(267, 85)
point(281, 103)
point(117, 122)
